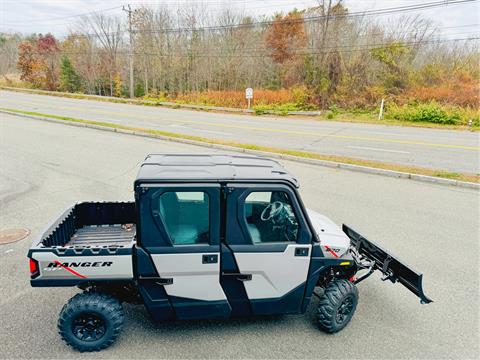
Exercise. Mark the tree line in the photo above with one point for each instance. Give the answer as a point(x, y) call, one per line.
point(323, 56)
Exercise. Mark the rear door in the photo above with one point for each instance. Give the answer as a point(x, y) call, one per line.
point(180, 231)
point(270, 241)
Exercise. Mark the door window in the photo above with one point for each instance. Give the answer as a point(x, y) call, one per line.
point(270, 217)
point(186, 216)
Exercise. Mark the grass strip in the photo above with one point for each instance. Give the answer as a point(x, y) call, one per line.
point(475, 178)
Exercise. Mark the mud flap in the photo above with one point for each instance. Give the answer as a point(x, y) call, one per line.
point(391, 267)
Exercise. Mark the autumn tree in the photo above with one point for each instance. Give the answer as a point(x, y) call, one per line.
point(28, 64)
point(48, 53)
point(286, 37)
point(107, 33)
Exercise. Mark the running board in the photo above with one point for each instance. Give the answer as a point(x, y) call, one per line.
point(391, 267)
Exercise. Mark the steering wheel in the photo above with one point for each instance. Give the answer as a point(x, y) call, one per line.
point(271, 210)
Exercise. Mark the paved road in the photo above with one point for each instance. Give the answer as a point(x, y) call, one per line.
point(45, 167)
point(455, 151)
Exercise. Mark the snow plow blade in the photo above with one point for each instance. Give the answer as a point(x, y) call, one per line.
point(391, 267)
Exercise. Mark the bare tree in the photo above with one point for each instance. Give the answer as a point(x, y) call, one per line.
point(107, 31)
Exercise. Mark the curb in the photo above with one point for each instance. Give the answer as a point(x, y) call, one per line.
point(325, 163)
point(167, 104)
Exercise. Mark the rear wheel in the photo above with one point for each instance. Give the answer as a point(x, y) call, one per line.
point(91, 321)
point(337, 305)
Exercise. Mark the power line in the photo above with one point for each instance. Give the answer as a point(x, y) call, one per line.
point(308, 19)
point(398, 9)
point(65, 17)
point(372, 45)
point(345, 49)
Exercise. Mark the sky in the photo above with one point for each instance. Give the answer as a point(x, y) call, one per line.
point(57, 16)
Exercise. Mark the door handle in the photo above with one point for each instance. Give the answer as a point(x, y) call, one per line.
point(164, 281)
point(301, 251)
point(157, 280)
point(209, 259)
point(238, 276)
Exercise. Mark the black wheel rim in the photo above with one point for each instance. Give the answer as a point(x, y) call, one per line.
point(88, 327)
point(344, 310)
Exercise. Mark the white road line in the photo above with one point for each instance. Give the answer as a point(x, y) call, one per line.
point(377, 149)
point(202, 130)
point(214, 132)
point(179, 126)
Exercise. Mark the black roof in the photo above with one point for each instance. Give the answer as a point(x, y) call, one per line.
point(212, 167)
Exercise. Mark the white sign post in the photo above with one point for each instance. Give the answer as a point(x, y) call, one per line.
point(248, 95)
point(380, 114)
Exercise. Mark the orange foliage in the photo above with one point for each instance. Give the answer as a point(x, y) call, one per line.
point(237, 98)
point(461, 93)
point(285, 35)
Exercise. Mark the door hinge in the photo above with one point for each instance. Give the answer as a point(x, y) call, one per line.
point(226, 191)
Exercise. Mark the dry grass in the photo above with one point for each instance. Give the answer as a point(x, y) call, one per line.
point(236, 98)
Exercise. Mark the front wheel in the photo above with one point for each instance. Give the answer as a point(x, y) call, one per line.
point(91, 321)
point(337, 305)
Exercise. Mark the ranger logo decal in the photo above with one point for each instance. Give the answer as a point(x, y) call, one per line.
point(56, 264)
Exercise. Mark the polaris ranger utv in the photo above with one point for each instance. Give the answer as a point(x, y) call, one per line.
point(208, 236)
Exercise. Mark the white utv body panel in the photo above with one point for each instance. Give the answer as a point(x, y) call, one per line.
point(332, 238)
point(274, 274)
point(191, 278)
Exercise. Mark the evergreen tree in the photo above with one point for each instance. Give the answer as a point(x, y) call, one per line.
point(69, 78)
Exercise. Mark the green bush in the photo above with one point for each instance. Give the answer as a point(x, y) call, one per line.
point(283, 109)
point(330, 115)
point(334, 110)
point(431, 112)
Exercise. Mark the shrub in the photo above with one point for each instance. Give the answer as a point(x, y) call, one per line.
point(430, 112)
point(282, 109)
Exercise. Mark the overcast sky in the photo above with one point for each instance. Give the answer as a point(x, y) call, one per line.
point(56, 16)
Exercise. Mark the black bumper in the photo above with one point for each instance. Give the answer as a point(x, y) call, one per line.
point(391, 267)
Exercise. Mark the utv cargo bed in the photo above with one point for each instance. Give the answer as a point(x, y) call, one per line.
point(86, 237)
point(103, 235)
point(88, 225)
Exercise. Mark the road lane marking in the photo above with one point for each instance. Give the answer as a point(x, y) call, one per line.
point(377, 149)
point(212, 131)
point(201, 130)
point(255, 128)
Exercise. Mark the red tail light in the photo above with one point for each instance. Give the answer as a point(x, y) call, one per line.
point(33, 267)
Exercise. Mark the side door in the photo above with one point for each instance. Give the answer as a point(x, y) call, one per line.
point(180, 231)
point(270, 241)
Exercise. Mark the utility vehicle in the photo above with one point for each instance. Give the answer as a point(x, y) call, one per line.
point(208, 236)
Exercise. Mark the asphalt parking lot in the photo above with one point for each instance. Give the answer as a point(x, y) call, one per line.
point(45, 167)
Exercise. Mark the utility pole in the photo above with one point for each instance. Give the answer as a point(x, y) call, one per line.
point(129, 11)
